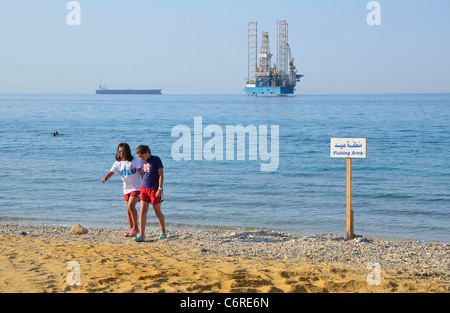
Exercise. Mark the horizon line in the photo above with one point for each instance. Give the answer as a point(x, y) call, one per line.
point(232, 94)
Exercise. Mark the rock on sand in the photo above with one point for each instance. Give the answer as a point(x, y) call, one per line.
point(77, 229)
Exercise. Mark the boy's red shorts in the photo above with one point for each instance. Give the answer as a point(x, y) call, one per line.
point(149, 195)
point(131, 194)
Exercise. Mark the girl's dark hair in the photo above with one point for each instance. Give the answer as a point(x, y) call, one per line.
point(143, 149)
point(127, 151)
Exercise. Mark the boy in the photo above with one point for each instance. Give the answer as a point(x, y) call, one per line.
point(151, 190)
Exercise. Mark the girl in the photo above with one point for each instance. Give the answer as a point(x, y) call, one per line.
point(129, 169)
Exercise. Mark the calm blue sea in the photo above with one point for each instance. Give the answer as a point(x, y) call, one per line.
point(401, 190)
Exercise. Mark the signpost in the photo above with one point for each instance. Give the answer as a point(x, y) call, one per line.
point(349, 148)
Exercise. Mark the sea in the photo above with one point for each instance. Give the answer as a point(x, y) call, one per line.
point(401, 190)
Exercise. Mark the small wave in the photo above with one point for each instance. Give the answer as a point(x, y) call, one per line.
point(386, 196)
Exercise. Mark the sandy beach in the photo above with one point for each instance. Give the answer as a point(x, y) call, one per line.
point(36, 259)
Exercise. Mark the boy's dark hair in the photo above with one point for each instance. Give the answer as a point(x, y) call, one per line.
point(127, 150)
point(142, 149)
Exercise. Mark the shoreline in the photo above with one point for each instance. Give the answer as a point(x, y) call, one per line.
point(187, 227)
point(35, 259)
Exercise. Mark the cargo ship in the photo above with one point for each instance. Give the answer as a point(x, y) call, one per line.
point(264, 78)
point(105, 91)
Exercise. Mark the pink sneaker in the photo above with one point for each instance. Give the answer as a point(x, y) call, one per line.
point(132, 233)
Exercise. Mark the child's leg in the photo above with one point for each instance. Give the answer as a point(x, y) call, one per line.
point(143, 217)
point(130, 221)
point(159, 216)
point(131, 212)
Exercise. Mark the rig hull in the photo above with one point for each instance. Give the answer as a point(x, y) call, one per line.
point(267, 91)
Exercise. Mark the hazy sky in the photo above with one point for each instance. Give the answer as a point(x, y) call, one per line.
point(201, 46)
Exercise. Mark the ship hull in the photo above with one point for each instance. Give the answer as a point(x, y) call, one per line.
point(128, 92)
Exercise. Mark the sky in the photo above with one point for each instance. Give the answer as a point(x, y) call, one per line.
point(200, 47)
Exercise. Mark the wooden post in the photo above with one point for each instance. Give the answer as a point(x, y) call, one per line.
point(350, 231)
point(349, 148)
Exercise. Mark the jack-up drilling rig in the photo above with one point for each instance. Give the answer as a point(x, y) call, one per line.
point(265, 79)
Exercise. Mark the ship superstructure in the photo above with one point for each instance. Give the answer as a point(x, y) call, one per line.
point(263, 77)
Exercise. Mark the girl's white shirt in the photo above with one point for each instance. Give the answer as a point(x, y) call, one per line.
point(128, 171)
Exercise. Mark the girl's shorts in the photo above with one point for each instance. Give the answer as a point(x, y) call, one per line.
point(131, 194)
point(149, 195)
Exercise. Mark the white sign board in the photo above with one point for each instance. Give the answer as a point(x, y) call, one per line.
point(348, 148)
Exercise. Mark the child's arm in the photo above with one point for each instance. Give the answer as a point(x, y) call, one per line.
point(160, 183)
point(108, 176)
point(140, 173)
